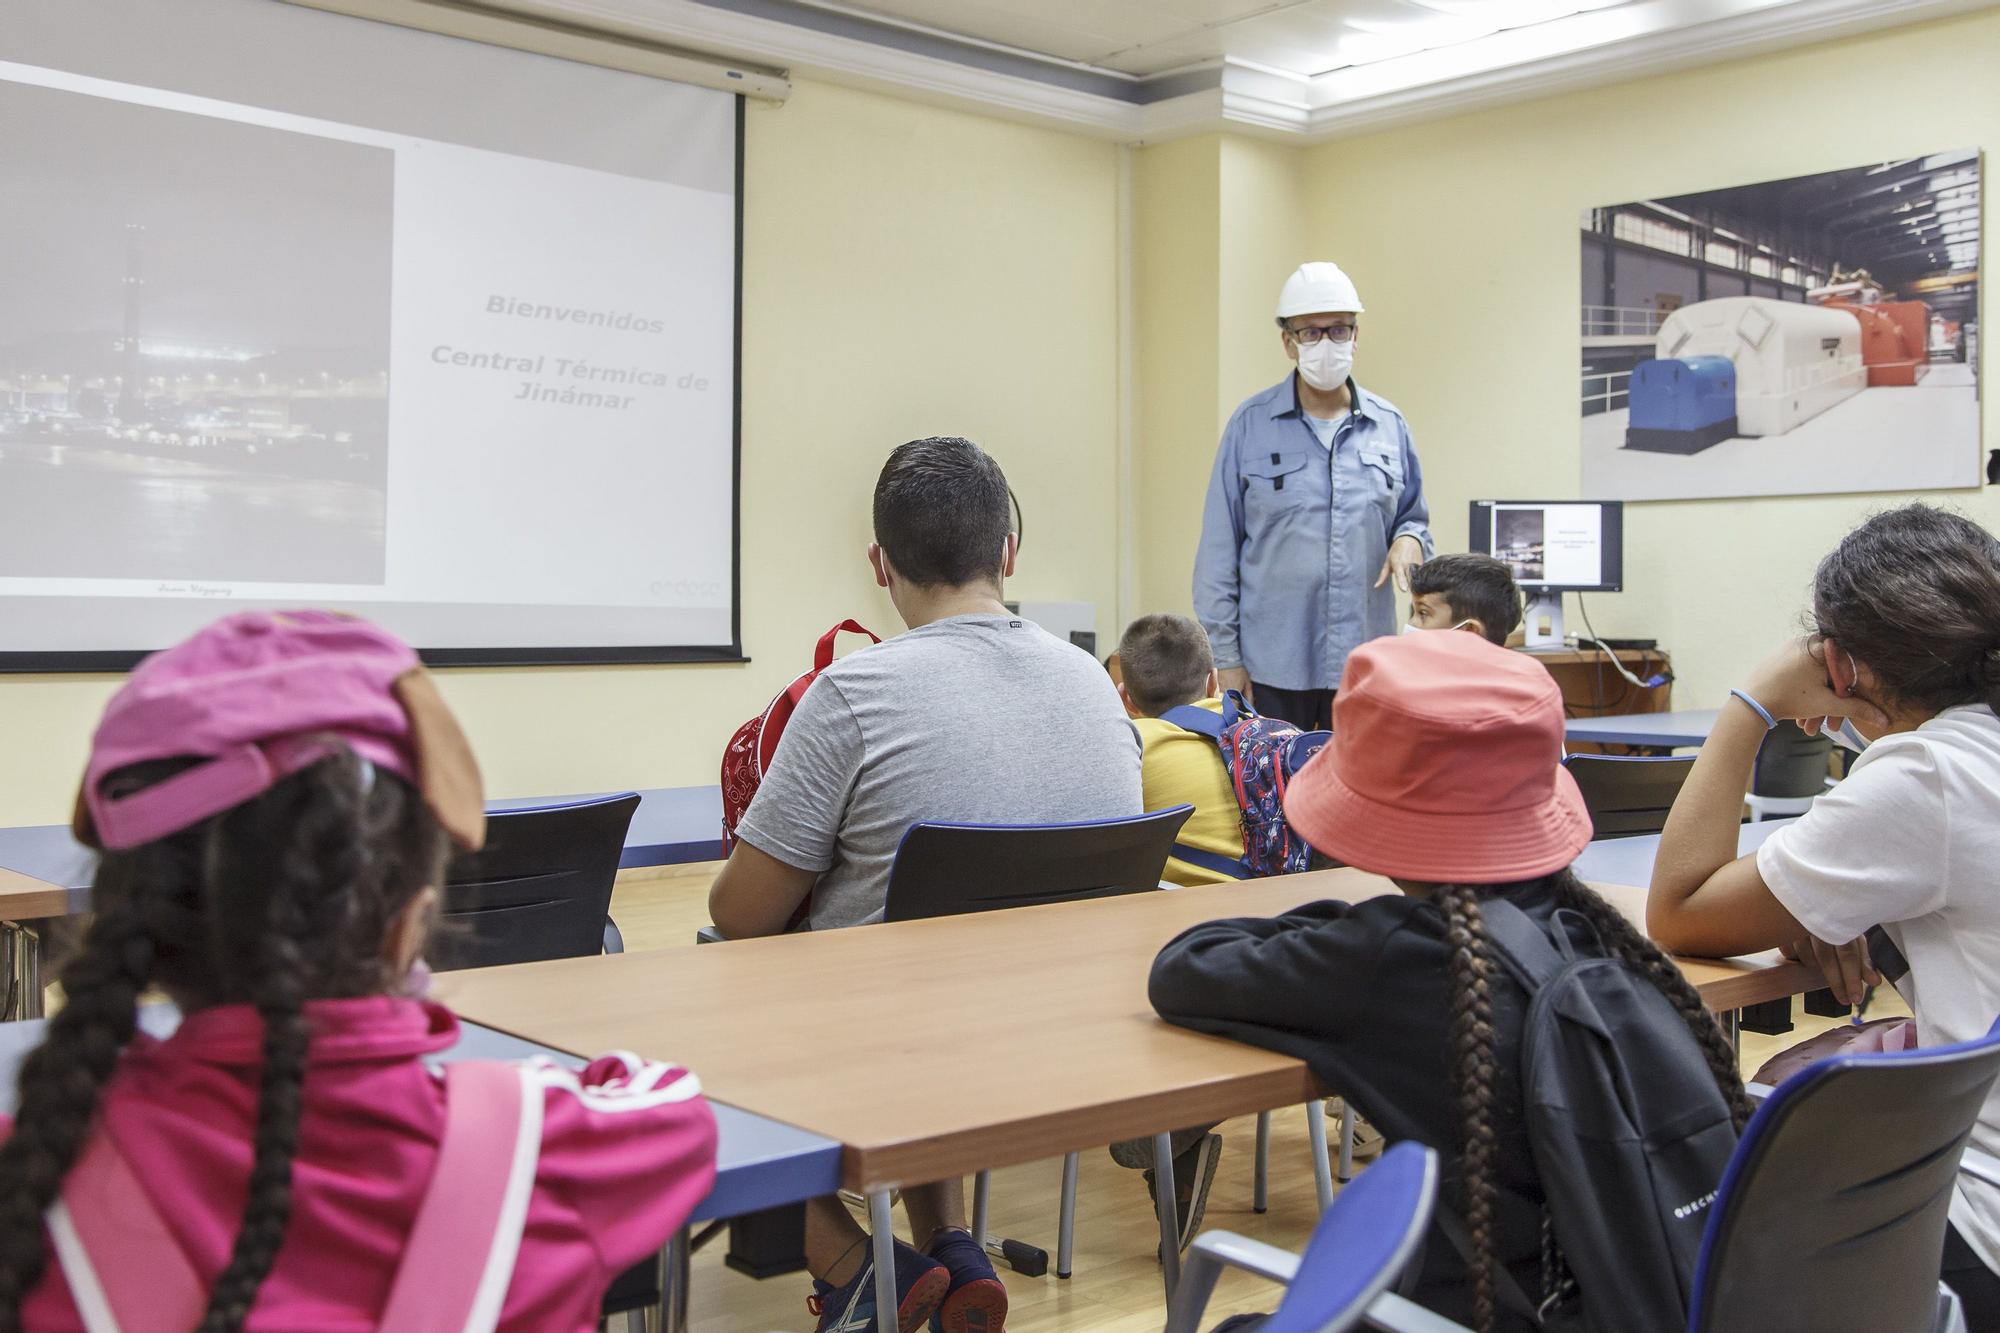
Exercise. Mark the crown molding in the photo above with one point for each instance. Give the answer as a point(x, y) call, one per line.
point(755, 46)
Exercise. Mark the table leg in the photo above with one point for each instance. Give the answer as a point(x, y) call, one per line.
point(24, 970)
point(1733, 1028)
point(982, 1187)
point(1170, 1231)
point(1260, 1186)
point(1316, 1135)
point(1066, 1223)
point(884, 1240)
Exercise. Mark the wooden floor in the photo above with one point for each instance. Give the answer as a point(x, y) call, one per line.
point(1116, 1287)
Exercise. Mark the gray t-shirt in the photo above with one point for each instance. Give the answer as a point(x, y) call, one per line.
point(971, 720)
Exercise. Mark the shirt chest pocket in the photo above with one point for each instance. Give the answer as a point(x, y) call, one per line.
point(1382, 465)
point(1276, 482)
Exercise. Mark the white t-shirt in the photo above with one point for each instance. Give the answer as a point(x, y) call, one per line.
point(1322, 430)
point(1911, 842)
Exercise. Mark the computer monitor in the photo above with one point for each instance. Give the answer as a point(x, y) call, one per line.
point(1553, 547)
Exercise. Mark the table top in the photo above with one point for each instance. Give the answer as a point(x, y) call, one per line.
point(1630, 860)
point(881, 1038)
point(672, 826)
point(1663, 729)
point(760, 1163)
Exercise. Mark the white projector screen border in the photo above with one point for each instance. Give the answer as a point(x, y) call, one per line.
point(580, 652)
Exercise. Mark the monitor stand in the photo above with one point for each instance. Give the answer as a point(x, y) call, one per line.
point(1542, 626)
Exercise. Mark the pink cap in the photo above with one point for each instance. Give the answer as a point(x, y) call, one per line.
point(1445, 766)
point(261, 695)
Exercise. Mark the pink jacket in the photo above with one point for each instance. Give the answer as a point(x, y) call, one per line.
point(628, 1150)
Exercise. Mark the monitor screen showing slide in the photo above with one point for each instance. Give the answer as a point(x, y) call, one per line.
point(302, 309)
point(1572, 545)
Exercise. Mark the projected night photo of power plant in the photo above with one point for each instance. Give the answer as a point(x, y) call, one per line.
point(194, 347)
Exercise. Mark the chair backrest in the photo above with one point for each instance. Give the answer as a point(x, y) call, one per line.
point(1628, 794)
point(540, 888)
point(1832, 1211)
point(1362, 1243)
point(946, 869)
point(1791, 763)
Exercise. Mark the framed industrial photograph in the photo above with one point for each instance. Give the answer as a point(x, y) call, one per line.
point(1812, 335)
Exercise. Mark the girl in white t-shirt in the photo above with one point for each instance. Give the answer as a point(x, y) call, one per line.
point(1905, 646)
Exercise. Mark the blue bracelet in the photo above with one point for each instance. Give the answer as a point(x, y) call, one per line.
point(1769, 722)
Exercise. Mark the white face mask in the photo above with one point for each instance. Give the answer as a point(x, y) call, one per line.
point(1326, 364)
point(1846, 737)
point(1408, 628)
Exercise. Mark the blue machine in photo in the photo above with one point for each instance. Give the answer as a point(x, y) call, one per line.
point(1683, 405)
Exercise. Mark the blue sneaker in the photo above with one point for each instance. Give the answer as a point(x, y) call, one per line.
point(976, 1302)
point(850, 1308)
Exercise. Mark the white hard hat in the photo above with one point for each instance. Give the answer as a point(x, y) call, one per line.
point(1318, 288)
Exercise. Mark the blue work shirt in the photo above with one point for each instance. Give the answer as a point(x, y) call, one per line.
point(1293, 535)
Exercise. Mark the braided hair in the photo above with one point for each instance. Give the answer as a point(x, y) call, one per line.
point(1475, 1068)
point(286, 898)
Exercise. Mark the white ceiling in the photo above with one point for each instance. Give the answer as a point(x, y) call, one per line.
point(1300, 37)
point(1144, 70)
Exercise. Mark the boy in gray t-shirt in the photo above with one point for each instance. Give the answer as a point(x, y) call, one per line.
point(973, 716)
point(973, 719)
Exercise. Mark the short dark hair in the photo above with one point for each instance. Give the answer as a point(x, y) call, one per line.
point(1165, 661)
point(1476, 587)
point(1915, 593)
point(942, 512)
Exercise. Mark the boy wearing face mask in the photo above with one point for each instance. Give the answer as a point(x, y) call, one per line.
point(1315, 503)
point(1469, 592)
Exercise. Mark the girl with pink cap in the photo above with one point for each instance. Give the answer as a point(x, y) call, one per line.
point(274, 800)
point(1444, 774)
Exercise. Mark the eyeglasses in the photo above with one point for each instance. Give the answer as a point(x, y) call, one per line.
point(1310, 334)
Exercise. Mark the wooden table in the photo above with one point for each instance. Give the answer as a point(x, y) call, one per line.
point(882, 1038)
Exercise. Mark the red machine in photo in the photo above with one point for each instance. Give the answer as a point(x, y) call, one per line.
point(1895, 339)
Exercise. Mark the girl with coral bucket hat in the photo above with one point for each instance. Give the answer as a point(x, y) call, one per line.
point(1445, 775)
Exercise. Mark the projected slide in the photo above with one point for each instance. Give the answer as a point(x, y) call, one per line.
point(467, 367)
point(188, 399)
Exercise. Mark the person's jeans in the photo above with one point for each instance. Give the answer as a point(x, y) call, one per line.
point(1978, 1286)
point(1308, 710)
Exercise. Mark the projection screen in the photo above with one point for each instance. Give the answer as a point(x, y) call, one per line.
point(298, 309)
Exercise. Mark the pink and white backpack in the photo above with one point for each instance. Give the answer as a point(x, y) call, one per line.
point(128, 1274)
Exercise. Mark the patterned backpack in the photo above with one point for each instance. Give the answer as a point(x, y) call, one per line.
point(751, 748)
point(1261, 754)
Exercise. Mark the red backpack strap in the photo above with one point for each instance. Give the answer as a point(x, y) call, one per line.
point(126, 1271)
point(459, 1258)
point(823, 653)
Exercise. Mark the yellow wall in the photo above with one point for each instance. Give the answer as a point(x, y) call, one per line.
point(1176, 289)
point(907, 271)
point(1218, 222)
point(1462, 235)
point(911, 270)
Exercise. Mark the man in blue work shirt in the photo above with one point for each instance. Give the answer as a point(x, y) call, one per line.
point(1315, 505)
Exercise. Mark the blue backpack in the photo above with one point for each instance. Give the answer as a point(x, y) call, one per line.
point(1261, 754)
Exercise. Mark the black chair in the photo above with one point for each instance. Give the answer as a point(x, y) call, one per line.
point(540, 888)
point(948, 869)
point(1792, 768)
point(1832, 1211)
point(1628, 794)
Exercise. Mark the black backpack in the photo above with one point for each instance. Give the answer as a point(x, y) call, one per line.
point(1629, 1132)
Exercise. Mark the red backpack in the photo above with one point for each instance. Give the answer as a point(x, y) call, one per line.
point(750, 749)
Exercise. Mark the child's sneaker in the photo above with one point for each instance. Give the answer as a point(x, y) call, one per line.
point(850, 1308)
point(977, 1300)
point(1194, 1174)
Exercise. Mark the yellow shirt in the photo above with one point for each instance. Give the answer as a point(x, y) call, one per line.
point(1183, 768)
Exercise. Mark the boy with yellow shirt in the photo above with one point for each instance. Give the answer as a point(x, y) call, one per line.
point(1166, 663)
